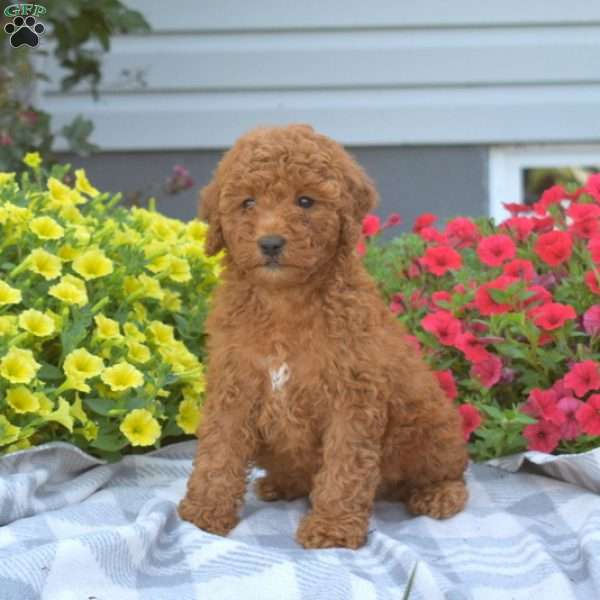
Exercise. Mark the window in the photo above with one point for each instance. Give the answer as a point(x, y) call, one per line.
point(520, 173)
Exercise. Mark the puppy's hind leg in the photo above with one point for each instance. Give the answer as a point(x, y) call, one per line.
point(438, 500)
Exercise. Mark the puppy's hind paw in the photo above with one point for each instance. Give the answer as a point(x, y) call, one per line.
point(212, 520)
point(438, 500)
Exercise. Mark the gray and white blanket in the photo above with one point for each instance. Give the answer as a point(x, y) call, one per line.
point(72, 527)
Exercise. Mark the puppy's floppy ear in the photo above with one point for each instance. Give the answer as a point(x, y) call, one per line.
point(208, 211)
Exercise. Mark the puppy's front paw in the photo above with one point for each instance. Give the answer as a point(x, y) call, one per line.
point(212, 519)
point(316, 531)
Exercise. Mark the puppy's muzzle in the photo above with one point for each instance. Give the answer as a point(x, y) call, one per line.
point(271, 245)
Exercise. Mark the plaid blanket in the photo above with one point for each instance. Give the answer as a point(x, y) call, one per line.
point(74, 527)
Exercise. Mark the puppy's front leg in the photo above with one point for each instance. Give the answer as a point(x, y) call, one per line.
point(344, 489)
point(226, 446)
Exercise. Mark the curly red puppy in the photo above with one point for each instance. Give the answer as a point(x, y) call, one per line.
point(309, 374)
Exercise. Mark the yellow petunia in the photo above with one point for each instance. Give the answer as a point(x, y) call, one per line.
point(46, 405)
point(6, 178)
point(77, 412)
point(36, 323)
point(106, 328)
point(72, 214)
point(46, 228)
point(16, 214)
point(60, 194)
point(93, 264)
point(9, 433)
point(8, 294)
point(18, 366)
point(196, 230)
point(162, 334)
point(172, 301)
point(22, 400)
point(122, 376)
point(70, 290)
point(62, 415)
point(89, 431)
point(133, 333)
point(81, 365)
point(179, 270)
point(8, 325)
point(33, 160)
point(140, 428)
point(45, 264)
point(67, 253)
point(138, 352)
point(140, 311)
point(188, 416)
point(83, 185)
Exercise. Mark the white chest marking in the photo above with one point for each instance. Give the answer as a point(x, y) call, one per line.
point(279, 377)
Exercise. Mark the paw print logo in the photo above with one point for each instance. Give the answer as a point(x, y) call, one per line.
point(24, 31)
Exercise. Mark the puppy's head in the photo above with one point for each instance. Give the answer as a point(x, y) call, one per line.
point(284, 202)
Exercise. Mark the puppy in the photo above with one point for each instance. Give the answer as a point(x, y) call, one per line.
point(309, 374)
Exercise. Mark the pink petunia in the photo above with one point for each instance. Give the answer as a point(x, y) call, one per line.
point(570, 429)
point(487, 371)
point(393, 220)
point(494, 250)
point(371, 225)
point(520, 268)
point(554, 247)
point(588, 415)
point(441, 259)
point(424, 220)
point(592, 186)
point(462, 232)
point(472, 347)
point(543, 436)
point(397, 304)
point(542, 404)
point(583, 377)
point(553, 315)
point(521, 227)
point(552, 195)
point(471, 419)
point(447, 383)
point(591, 320)
point(443, 325)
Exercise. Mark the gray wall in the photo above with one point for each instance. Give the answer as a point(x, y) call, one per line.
point(445, 180)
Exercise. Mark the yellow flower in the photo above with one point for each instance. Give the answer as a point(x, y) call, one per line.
point(83, 185)
point(36, 323)
point(62, 414)
point(6, 178)
point(17, 214)
point(93, 264)
point(188, 416)
point(46, 228)
point(19, 366)
point(140, 428)
point(46, 405)
point(172, 301)
point(9, 433)
point(106, 328)
point(9, 295)
point(60, 194)
point(193, 250)
point(140, 311)
point(161, 333)
point(138, 353)
point(8, 325)
point(179, 358)
point(122, 376)
point(77, 412)
point(196, 230)
point(133, 333)
point(45, 264)
point(67, 253)
point(179, 270)
point(152, 288)
point(162, 229)
point(70, 290)
point(81, 365)
point(72, 214)
point(22, 400)
point(33, 160)
point(21, 444)
point(89, 431)
point(82, 234)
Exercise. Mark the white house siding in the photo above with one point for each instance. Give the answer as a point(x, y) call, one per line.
point(385, 73)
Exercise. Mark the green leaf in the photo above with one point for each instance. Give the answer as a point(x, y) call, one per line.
point(110, 441)
point(49, 372)
point(101, 406)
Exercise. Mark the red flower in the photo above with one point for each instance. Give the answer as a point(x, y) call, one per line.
point(592, 186)
point(543, 224)
point(542, 436)
point(443, 325)
point(431, 234)
point(397, 304)
point(441, 259)
point(393, 220)
point(515, 209)
point(472, 347)
point(418, 299)
point(588, 415)
point(484, 302)
point(521, 227)
point(487, 371)
point(441, 296)
point(585, 228)
point(371, 225)
point(493, 250)
point(462, 232)
point(424, 220)
point(542, 404)
point(579, 212)
point(520, 268)
point(591, 320)
point(583, 377)
point(471, 419)
point(553, 315)
point(361, 248)
point(447, 383)
point(591, 280)
point(554, 247)
point(540, 296)
point(570, 429)
point(552, 195)
point(594, 248)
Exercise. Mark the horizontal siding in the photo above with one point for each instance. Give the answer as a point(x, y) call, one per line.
point(402, 73)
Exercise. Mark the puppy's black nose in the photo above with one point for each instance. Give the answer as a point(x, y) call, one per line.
point(271, 245)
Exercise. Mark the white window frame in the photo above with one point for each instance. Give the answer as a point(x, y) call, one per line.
point(506, 165)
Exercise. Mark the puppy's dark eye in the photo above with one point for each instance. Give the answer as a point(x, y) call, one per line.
point(305, 202)
point(248, 203)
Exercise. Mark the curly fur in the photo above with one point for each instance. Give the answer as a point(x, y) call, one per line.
point(309, 375)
